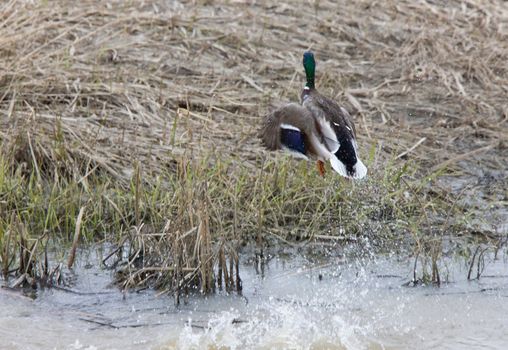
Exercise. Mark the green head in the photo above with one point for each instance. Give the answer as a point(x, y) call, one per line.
point(310, 68)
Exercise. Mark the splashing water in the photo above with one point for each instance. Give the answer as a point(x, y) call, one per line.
point(293, 305)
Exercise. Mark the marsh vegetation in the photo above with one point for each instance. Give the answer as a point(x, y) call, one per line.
point(135, 123)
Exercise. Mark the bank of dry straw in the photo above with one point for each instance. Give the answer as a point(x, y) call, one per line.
point(92, 92)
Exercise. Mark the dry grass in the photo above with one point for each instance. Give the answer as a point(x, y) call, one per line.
point(97, 90)
point(144, 81)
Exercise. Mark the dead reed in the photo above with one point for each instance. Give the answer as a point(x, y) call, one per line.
point(146, 114)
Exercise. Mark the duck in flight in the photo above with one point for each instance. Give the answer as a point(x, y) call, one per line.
point(318, 128)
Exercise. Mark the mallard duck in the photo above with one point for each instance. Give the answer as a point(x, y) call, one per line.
point(318, 128)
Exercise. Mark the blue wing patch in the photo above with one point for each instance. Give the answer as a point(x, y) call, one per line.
point(293, 139)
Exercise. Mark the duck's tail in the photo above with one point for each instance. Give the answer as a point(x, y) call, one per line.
point(360, 170)
point(356, 172)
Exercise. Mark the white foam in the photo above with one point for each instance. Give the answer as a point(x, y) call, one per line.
point(275, 324)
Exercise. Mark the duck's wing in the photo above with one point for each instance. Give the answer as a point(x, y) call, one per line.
point(289, 117)
point(346, 159)
point(293, 128)
point(338, 116)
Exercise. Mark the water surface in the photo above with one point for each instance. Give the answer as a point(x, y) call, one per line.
point(293, 304)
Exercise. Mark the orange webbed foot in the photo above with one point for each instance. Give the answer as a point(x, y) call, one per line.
point(321, 167)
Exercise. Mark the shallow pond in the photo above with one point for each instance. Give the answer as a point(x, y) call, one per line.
point(293, 304)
